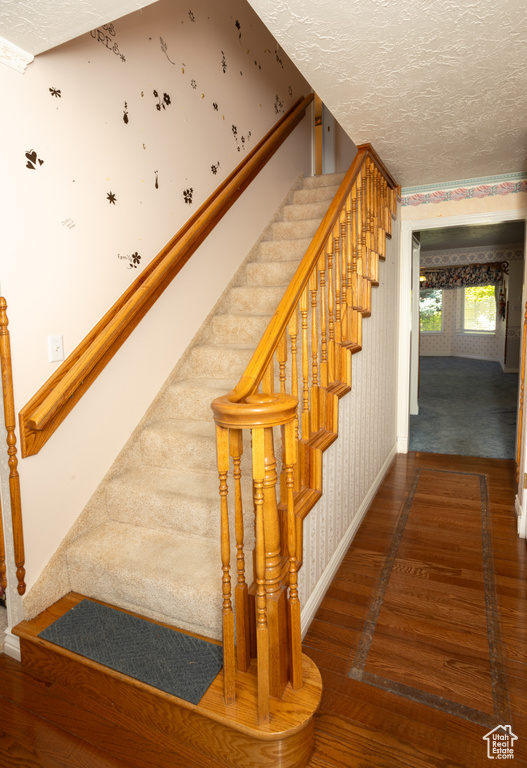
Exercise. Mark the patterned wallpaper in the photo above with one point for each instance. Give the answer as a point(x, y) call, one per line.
point(367, 437)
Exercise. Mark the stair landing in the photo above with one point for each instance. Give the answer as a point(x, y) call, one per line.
point(208, 733)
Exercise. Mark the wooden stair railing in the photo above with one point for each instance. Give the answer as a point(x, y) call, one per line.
point(14, 480)
point(46, 410)
point(289, 392)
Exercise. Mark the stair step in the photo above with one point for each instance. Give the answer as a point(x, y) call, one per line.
point(283, 250)
point(244, 329)
point(161, 574)
point(208, 361)
point(324, 180)
point(191, 398)
point(315, 194)
point(179, 444)
point(271, 274)
point(307, 210)
point(295, 230)
point(249, 299)
point(167, 500)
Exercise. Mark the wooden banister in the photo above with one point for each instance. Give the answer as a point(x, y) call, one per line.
point(10, 424)
point(46, 410)
point(300, 368)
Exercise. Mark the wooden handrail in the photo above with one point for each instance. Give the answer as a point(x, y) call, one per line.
point(263, 354)
point(302, 363)
point(46, 410)
point(10, 424)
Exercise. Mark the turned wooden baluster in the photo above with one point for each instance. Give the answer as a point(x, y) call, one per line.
point(520, 409)
point(344, 275)
point(10, 423)
point(241, 593)
point(381, 247)
point(366, 285)
point(276, 594)
point(3, 578)
point(332, 372)
point(262, 629)
point(306, 420)
point(268, 378)
point(313, 288)
point(361, 244)
point(338, 275)
point(370, 234)
point(323, 322)
point(295, 632)
point(293, 334)
point(229, 670)
point(374, 253)
point(281, 356)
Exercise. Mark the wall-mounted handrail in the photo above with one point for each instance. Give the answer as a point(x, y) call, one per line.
point(10, 424)
point(288, 398)
point(46, 410)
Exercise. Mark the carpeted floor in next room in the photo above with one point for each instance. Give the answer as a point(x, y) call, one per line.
point(466, 407)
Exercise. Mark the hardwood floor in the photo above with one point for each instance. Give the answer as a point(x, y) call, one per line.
point(421, 638)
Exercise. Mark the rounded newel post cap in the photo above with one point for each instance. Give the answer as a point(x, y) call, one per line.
point(258, 410)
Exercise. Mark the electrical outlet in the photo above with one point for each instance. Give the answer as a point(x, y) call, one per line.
point(55, 348)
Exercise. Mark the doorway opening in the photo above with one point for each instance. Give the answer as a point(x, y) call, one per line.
point(466, 331)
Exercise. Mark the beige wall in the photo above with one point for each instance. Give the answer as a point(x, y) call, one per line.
point(66, 249)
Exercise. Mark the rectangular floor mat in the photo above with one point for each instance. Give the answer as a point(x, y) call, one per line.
point(164, 658)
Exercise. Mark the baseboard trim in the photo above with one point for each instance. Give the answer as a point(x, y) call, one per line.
point(12, 645)
point(316, 597)
point(402, 444)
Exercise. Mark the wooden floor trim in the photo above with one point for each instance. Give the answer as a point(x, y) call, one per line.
point(498, 679)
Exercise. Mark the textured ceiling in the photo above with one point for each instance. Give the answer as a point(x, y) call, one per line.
point(437, 86)
point(38, 25)
point(506, 233)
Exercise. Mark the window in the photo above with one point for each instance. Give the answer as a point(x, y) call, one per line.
point(479, 309)
point(431, 310)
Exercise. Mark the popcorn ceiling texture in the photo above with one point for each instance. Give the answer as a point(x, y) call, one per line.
point(37, 26)
point(437, 88)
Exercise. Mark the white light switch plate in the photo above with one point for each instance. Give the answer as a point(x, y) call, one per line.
point(55, 348)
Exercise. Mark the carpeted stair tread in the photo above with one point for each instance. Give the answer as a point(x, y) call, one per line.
point(180, 443)
point(315, 194)
point(172, 661)
point(161, 574)
point(307, 210)
point(295, 230)
point(166, 499)
point(249, 299)
point(207, 361)
point(277, 273)
point(323, 180)
point(191, 398)
point(246, 329)
point(282, 250)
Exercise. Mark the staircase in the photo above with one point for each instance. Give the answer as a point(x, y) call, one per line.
point(150, 543)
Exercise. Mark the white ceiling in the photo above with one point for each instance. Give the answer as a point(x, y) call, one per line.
point(38, 25)
point(437, 86)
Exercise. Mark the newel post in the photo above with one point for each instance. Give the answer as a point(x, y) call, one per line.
point(277, 616)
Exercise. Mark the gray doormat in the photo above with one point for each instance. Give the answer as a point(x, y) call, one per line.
point(164, 658)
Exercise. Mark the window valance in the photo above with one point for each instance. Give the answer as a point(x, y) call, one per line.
point(490, 273)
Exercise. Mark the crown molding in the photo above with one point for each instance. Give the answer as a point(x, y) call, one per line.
point(13, 56)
